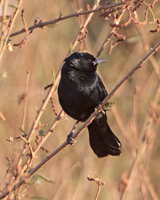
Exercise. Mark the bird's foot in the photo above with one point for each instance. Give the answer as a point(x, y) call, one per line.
point(70, 139)
point(99, 109)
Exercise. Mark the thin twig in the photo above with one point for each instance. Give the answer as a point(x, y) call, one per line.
point(61, 18)
point(24, 41)
point(3, 27)
point(52, 89)
point(43, 106)
point(24, 119)
point(122, 128)
point(106, 41)
point(141, 147)
point(2, 117)
point(87, 122)
point(46, 135)
point(98, 191)
point(146, 47)
point(113, 30)
point(25, 101)
point(99, 182)
point(10, 24)
point(135, 163)
point(151, 188)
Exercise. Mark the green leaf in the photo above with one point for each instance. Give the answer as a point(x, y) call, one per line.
point(46, 179)
point(13, 6)
point(60, 13)
point(38, 181)
point(40, 198)
point(9, 40)
point(34, 179)
point(53, 74)
point(133, 39)
point(24, 133)
point(108, 105)
point(7, 17)
point(41, 132)
point(71, 49)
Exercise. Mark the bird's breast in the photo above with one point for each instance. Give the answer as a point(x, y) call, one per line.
point(76, 94)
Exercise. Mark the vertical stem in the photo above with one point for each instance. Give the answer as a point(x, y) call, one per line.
point(11, 23)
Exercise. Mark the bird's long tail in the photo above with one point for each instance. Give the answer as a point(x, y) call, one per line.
point(102, 140)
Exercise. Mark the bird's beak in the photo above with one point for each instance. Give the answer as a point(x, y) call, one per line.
point(100, 60)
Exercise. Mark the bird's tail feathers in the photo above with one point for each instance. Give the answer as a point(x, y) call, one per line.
point(102, 140)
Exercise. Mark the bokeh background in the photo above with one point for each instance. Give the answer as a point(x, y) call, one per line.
point(43, 53)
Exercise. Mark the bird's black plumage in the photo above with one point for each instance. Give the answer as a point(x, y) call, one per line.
point(80, 91)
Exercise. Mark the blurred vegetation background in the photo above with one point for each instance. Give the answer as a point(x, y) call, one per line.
point(43, 53)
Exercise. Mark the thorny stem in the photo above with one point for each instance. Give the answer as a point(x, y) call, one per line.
point(98, 191)
point(136, 161)
point(106, 41)
point(52, 89)
point(37, 118)
point(60, 18)
point(113, 30)
point(9, 29)
point(87, 122)
point(48, 132)
point(44, 104)
point(150, 188)
point(98, 182)
point(3, 21)
point(140, 150)
point(146, 48)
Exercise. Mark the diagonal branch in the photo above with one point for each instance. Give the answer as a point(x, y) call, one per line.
point(44, 104)
point(10, 26)
point(52, 89)
point(88, 121)
point(61, 18)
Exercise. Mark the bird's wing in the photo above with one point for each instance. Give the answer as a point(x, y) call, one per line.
point(101, 88)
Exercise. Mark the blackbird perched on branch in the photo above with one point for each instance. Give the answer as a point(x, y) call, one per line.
point(80, 91)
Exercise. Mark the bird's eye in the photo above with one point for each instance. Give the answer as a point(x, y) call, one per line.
point(94, 62)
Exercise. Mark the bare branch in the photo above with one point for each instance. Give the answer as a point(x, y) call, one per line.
point(40, 112)
point(87, 122)
point(61, 18)
point(10, 25)
point(142, 146)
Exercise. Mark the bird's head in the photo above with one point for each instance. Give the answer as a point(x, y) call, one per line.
point(84, 62)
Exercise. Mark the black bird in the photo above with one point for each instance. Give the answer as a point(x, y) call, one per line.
point(80, 91)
